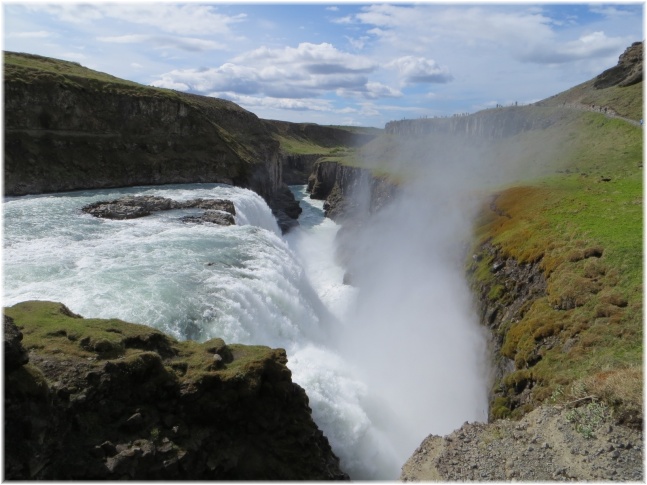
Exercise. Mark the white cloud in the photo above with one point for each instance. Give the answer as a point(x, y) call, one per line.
point(376, 90)
point(318, 58)
point(303, 72)
point(159, 41)
point(333, 9)
point(357, 43)
point(595, 44)
point(522, 33)
point(169, 83)
point(73, 55)
point(192, 19)
point(610, 11)
point(252, 102)
point(414, 70)
point(348, 19)
point(41, 34)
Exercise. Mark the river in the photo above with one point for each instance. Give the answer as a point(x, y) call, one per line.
point(248, 284)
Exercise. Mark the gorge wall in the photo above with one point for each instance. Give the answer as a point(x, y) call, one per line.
point(105, 399)
point(494, 123)
point(348, 191)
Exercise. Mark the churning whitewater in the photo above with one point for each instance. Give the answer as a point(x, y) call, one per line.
point(246, 284)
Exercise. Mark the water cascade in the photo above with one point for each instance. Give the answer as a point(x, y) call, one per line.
point(244, 283)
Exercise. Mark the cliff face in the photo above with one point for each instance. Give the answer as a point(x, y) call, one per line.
point(297, 168)
point(495, 123)
point(504, 297)
point(348, 191)
point(104, 399)
point(69, 128)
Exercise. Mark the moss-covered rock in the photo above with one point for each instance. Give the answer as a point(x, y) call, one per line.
point(106, 399)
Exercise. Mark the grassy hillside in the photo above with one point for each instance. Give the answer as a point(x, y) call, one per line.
point(584, 227)
point(31, 68)
point(626, 101)
point(337, 141)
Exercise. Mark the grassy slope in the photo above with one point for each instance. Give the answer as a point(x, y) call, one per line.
point(623, 100)
point(300, 142)
point(594, 205)
point(30, 68)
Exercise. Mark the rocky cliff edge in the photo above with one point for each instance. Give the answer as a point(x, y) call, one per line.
point(105, 399)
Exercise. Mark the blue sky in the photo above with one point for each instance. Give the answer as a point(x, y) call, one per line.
point(336, 63)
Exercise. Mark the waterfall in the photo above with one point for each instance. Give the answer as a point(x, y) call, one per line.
point(372, 360)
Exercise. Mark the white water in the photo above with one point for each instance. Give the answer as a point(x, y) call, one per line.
point(247, 284)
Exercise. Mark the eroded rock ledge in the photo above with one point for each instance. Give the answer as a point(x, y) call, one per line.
point(106, 399)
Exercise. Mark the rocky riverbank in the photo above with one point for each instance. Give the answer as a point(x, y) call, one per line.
point(105, 399)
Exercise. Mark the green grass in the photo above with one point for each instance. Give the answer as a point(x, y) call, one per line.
point(303, 146)
point(626, 101)
point(31, 63)
point(55, 333)
point(30, 69)
point(363, 130)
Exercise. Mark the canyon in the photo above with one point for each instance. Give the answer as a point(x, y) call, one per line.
point(64, 132)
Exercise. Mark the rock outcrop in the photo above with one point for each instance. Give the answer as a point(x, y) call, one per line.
point(629, 70)
point(550, 443)
point(105, 399)
point(68, 128)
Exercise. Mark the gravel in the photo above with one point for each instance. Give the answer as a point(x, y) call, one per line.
point(543, 445)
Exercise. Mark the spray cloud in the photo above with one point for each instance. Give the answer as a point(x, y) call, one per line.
point(414, 331)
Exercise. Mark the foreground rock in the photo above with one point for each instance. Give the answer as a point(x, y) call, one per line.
point(218, 211)
point(105, 399)
point(550, 443)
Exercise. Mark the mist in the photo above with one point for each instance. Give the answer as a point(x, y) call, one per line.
point(413, 331)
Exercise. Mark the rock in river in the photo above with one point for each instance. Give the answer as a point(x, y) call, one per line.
point(217, 211)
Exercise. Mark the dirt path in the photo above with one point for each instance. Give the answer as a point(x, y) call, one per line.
point(605, 110)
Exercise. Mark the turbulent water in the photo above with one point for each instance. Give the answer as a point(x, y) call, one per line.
point(245, 283)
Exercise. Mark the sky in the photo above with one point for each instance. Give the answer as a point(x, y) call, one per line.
point(343, 63)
